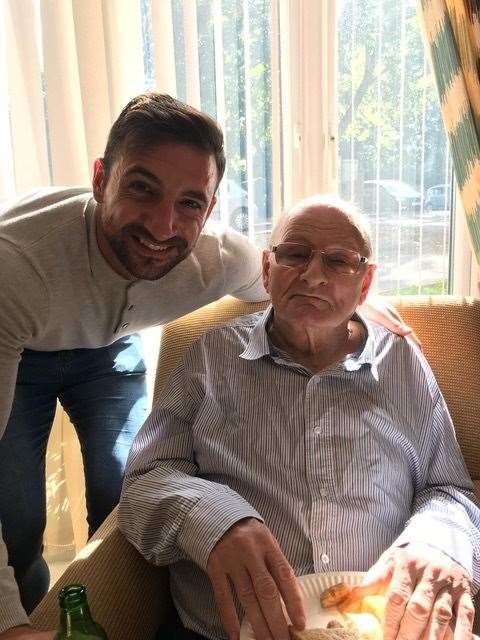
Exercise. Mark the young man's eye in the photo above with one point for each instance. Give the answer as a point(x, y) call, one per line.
point(192, 204)
point(140, 187)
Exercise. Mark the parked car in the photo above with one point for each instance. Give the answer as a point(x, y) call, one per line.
point(393, 195)
point(438, 197)
point(237, 206)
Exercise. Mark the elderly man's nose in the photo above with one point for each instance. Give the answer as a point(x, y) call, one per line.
point(316, 271)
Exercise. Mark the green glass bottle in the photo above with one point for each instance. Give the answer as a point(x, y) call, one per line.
point(76, 622)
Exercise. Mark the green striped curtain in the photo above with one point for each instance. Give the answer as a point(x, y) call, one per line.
point(452, 31)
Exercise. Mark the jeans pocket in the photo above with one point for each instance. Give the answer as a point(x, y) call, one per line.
point(126, 354)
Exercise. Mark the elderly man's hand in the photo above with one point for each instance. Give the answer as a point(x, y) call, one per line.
point(25, 632)
point(427, 594)
point(248, 558)
point(378, 310)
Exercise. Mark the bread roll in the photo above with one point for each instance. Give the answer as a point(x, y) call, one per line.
point(336, 633)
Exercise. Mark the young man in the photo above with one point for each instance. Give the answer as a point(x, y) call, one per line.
point(305, 439)
point(81, 272)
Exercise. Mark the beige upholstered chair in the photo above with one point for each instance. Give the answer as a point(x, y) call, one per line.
point(128, 596)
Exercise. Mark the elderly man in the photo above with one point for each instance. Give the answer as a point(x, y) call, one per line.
point(305, 439)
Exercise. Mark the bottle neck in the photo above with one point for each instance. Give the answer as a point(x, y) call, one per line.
point(69, 617)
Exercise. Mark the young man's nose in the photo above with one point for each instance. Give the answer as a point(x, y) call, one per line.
point(162, 221)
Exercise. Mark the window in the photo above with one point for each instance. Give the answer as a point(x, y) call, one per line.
point(393, 156)
point(223, 47)
point(392, 150)
point(228, 58)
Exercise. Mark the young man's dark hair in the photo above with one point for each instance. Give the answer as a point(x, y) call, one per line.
point(152, 118)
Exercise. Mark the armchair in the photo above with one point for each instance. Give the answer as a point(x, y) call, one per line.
point(129, 597)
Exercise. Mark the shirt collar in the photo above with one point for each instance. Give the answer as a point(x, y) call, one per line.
point(258, 344)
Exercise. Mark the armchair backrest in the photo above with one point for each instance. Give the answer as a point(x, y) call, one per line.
point(448, 326)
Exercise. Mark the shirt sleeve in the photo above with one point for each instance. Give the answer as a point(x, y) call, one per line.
point(243, 267)
point(23, 307)
point(166, 511)
point(12, 613)
point(445, 504)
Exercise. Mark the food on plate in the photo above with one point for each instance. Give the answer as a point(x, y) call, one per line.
point(365, 625)
point(335, 633)
point(334, 595)
point(334, 624)
point(362, 616)
point(375, 605)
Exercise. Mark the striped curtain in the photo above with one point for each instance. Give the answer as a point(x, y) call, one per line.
point(452, 31)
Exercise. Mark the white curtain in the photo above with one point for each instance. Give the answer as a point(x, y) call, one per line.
point(67, 67)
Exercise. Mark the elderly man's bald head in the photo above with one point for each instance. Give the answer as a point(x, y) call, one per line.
point(331, 204)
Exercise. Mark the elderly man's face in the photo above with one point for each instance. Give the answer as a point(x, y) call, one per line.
point(152, 207)
point(316, 295)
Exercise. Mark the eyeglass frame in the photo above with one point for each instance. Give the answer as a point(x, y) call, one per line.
point(362, 259)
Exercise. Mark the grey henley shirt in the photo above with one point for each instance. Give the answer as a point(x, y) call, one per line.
point(58, 292)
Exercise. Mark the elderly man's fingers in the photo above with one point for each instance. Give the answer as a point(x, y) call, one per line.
point(287, 584)
point(465, 614)
point(226, 607)
point(246, 590)
point(397, 597)
point(268, 598)
point(427, 615)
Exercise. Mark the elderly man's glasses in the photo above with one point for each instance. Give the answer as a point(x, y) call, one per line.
point(341, 261)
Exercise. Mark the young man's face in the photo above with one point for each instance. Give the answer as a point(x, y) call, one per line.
point(152, 207)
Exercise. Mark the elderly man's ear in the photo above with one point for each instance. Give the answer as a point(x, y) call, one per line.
point(367, 282)
point(266, 269)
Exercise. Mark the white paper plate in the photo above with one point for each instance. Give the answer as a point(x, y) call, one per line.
point(311, 587)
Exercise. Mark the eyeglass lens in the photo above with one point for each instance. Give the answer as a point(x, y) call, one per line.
point(336, 260)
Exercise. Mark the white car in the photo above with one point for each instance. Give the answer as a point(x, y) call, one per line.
point(237, 206)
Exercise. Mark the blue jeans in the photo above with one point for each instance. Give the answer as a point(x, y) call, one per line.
point(104, 393)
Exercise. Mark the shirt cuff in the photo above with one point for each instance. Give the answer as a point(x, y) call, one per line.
point(209, 519)
point(12, 613)
point(447, 537)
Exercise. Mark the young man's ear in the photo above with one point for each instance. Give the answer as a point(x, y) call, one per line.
point(99, 180)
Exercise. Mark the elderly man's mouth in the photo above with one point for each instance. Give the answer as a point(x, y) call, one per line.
point(312, 299)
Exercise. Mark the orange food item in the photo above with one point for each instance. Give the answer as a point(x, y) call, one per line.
point(334, 595)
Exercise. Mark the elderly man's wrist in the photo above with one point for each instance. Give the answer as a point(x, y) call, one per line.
point(208, 521)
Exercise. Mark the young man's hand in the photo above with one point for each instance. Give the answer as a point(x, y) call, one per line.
point(378, 310)
point(26, 632)
point(248, 559)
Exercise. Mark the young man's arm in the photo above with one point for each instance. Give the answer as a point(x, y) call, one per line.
point(23, 309)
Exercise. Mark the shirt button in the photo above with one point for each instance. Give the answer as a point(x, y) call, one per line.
point(325, 559)
point(317, 431)
point(131, 307)
point(323, 493)
point(124, 325)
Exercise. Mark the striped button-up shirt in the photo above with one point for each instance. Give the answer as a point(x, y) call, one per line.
point(339, 464)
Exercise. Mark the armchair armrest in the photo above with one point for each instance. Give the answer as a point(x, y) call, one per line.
point(127, 596)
